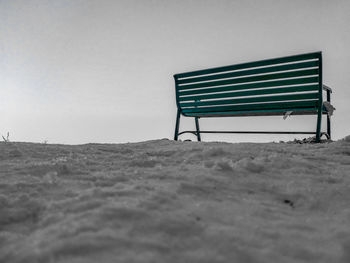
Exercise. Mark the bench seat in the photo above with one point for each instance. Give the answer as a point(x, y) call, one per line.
point(256, 113)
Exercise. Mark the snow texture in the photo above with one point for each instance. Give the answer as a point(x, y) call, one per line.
point(167, 201)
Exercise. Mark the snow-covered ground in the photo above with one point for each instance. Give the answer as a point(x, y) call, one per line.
point(167, 201)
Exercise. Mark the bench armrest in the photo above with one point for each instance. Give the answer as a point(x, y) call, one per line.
point(327, 88)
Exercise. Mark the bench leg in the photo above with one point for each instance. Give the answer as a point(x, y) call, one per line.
point(329, 117)
point(177, 125)
point(329, 127)
point(197, 129)
point(318, 128)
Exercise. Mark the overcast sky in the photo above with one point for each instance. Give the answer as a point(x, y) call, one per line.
point(74, 71)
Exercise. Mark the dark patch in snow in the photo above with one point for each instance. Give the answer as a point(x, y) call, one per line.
point(288, 202)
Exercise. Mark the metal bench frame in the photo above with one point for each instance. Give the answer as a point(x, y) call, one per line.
point(260, 112)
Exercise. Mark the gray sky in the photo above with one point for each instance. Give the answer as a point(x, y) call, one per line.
point(74, 71)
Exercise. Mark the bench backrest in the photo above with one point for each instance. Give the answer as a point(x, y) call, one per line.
point(286, 83)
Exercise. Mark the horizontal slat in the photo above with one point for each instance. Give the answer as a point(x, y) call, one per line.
point(273, 112)
point(294, 97)
point(250, 65)
point(266, 84)
point(291, 74)
point(289, 89)
point(251, 72)
point(262, 107)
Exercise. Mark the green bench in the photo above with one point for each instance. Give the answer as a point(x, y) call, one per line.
point(280, 86)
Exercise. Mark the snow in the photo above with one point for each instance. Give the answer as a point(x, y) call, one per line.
point(167, 201)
